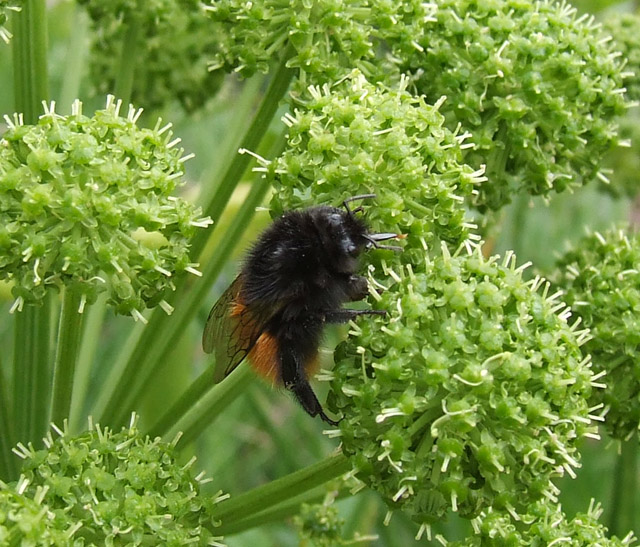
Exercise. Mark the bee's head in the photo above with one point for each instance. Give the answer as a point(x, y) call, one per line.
point(343, 236)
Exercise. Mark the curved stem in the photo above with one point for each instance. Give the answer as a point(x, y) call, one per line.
point(69, 334)
point(281, 490)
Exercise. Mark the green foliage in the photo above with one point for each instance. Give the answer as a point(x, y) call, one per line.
point(602, 281)
point(172, 65)
point(538, 86)
point(470, 396)
point(87, 202)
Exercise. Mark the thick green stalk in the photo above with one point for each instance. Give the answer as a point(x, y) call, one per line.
point(31, 390)
point(127, 65)
point(211, 404)
point(277, 513)
point(264, 497)
point(30, 78)
point(89, 344)
point(8, 468)
point(69, 334)
point(624, 504)
point(144, 362)
point(74, 61)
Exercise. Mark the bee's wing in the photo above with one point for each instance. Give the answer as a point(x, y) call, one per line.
point(231, 330)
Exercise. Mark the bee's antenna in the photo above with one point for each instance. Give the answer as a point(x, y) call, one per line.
point(356, 198)
point(374, 238)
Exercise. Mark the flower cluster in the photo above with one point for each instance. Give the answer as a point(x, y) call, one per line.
point(320, 525)
point(328, 38)
point(356, 137)
point(601, 277)
point(106, 488)
point(545, 524)
point(87, 203)
point(174, 42)
point(539, 87)
point(625, 30)
point(471, 394)
point(7, 6)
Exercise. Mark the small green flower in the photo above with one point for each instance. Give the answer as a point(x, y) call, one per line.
point(76, 195)
point(174, 42)
point(544, 524)
point(356, 137)
point(319, 525)
point(7, 6)
point(329, 37)
point(601, 277)
point(539, 87)
point(471, 394)
point(107, 488)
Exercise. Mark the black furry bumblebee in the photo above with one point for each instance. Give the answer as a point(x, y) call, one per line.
point(294, 280)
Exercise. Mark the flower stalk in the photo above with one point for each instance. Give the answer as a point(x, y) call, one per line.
point(67, 349)
point(624, 500)
point(278, 491)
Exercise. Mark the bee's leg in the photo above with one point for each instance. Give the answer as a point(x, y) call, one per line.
point(295, 381)
point(343, 316)
point(357, 288)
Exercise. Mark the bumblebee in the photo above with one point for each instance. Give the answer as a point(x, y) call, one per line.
point(294, 280)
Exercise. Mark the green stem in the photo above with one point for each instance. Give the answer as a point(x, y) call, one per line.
point(74, 60)
point(31, 389)
point(624, 513)
point(281, 490)
point(277, 513)
point(127, 65)
point(31, 81)
point(89, 345)
point(203, 411)
point(161, 334)
point(31, 373)
point(8, 468)
point(69, 334)
point(253, 136)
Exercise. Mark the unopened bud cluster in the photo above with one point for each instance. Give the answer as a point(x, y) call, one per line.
point(87, 203)
point(106, 488)
point(471, 394)
point(355, 138)
point(539, 86)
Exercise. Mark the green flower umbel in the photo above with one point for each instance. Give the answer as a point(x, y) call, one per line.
point(88, 203)
point(601, 276)
point(356, 137)
point(106, 488)
point(544, 524)
point(539, 87)
point(471, 394)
